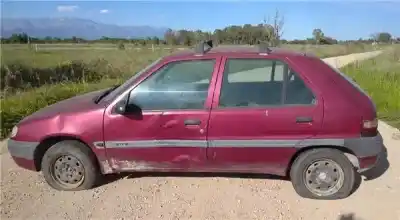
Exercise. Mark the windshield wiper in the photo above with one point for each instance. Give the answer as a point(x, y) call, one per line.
point(105, 93)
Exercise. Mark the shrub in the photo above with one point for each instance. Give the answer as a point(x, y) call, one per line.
point(17, 76)
point(17, 107)
point(121, 46)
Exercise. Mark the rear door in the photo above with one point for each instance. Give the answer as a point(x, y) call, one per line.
point(168, 130)
point(261, 109)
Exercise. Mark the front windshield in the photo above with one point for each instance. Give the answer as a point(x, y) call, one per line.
point(120, 89)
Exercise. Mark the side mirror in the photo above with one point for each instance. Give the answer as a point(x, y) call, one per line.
point(120, 107)
point(123, 107)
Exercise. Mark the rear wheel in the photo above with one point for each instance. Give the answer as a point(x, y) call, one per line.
point(323, 174)
point(70, 166)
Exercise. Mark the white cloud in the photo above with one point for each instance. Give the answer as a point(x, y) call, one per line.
point(67, 8)
point(104, 11)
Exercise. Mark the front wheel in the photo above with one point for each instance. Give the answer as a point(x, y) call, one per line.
point(70, 166)
point(323, 174)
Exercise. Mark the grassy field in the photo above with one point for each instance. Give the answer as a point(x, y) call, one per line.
point(53, 54)
point(33, 79)
point(380, 78)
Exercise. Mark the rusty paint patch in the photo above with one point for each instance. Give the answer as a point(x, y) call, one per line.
point(130, 165)
point(105, 167)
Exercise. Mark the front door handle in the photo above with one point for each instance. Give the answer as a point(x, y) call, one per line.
point(304, 119)
point(192, 122)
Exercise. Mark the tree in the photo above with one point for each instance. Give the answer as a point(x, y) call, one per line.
point(169, 37)
point(19, 38)
point(218, 36)
point(318, 35)
point(384, 37)
point(328, 40)
point(381, 37)
point(121, 46)
point(155, 40)
point(274, 29)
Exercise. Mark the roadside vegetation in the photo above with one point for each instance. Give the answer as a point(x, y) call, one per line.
point(380, 78)
point(23, 70)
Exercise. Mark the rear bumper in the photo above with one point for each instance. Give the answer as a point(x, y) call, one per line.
point(23, 153)
point(368, 150)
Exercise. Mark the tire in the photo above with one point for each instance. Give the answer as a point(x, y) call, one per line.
point(70, 152)
point(306, 166)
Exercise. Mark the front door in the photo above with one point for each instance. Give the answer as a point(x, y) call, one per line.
point(262, 110)
point(167, 131)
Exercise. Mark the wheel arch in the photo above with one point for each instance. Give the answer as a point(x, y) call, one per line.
point(49, 141)
point(347, 152)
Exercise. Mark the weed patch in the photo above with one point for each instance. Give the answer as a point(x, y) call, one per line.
point(15, 108)
point(18, 76)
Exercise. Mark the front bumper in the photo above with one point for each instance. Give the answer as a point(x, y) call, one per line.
point(23, 153)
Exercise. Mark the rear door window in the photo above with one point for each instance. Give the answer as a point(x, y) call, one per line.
point(297, 93)
point(261, 82)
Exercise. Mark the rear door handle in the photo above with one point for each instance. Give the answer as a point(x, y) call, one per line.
point(192, 122)
point(304, 119)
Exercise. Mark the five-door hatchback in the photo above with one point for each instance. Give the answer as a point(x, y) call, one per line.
point(223, 109)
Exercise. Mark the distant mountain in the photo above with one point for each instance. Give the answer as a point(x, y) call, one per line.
point(69, 27)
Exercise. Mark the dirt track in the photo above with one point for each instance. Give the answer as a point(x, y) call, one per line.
point(25, 195)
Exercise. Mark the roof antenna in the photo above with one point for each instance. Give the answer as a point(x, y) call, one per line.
point(203, 47)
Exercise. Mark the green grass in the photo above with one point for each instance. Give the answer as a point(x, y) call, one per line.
point(23, 69)
point(16, 107)
point(380, 78)
point(126, 60)
point(324, 51)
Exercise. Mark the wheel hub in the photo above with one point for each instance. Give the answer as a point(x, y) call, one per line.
point(324, 177)
point(68, 171)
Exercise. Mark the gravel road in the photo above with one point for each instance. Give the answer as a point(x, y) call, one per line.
point(24, 194)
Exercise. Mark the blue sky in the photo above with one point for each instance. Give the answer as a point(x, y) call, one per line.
point(339, 19)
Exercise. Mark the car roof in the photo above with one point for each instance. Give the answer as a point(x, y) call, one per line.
point(235, 50)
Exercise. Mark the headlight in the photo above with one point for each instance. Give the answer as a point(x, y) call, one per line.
point(14, 131)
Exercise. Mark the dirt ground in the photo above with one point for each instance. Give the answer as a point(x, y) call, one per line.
point(25, 195)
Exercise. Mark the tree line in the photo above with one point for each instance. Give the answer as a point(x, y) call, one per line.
point(246, 34)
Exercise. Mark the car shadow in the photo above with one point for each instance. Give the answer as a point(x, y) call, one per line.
point(350, 216)
point(109, 178)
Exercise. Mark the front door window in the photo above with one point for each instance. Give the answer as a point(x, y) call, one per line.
point(179, 85)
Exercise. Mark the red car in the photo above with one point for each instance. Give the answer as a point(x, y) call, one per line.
point(223, 109)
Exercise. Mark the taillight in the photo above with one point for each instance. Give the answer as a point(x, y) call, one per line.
point(369, 128)
point(368, 124)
